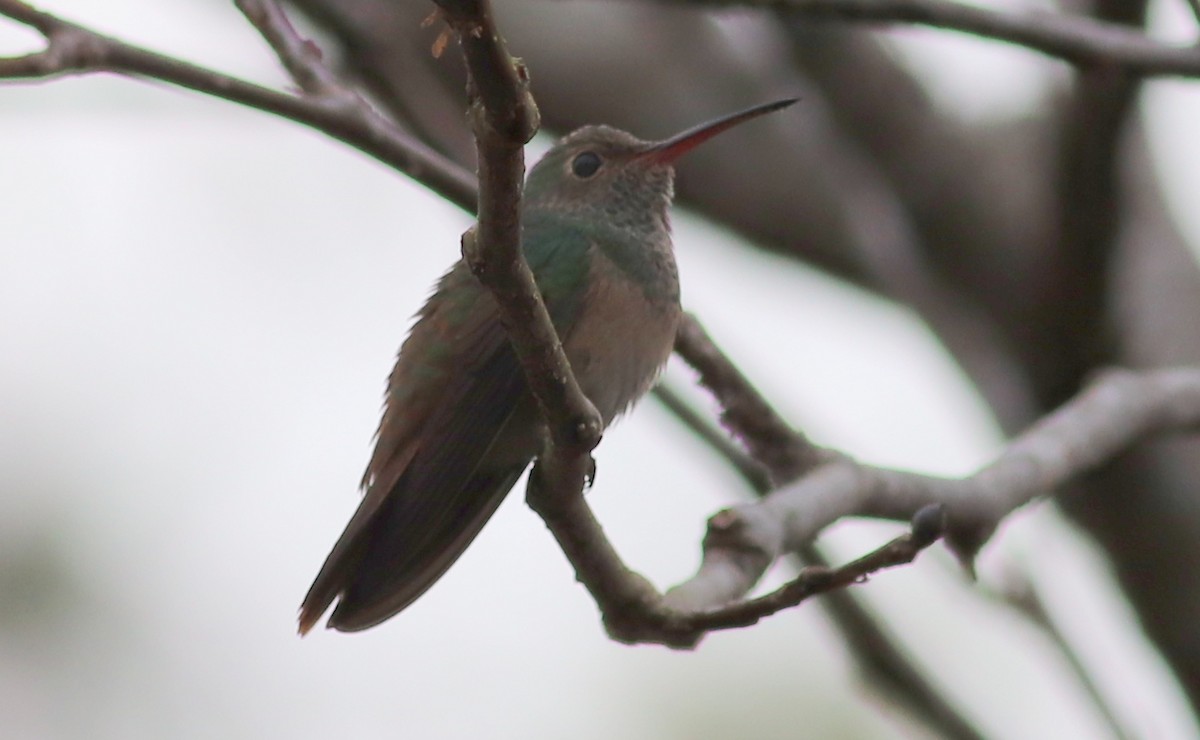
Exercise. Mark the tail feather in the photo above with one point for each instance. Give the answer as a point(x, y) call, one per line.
point(398, 557)
point(458, 429)
point(394, 573)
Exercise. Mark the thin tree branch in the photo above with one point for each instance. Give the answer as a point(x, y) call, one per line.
point(1078, 40)
point(1018, 592)
point(684, 628)
point(885, 663)
point(756, 475)
point(785, 452)
point(1118, 410)
point(73, 49)
point(880, 657)
point(299, 55)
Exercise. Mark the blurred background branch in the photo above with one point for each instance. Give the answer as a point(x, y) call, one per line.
point(1080, 40)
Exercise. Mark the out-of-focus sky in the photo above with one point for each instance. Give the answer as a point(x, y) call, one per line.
point(198, 307)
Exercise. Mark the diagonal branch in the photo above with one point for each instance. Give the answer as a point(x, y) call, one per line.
point(878, 654)
point(299, 55)
point(1018, 592)
point(786, 453)
point(683, 628)
point(755, 474)
point(1119, 409)
point(73, 49)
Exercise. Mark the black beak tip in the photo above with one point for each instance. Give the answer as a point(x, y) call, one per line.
point(781, 104)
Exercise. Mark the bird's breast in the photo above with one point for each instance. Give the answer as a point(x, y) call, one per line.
point(623, 335)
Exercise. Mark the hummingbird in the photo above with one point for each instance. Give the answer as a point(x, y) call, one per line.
point(459, 424)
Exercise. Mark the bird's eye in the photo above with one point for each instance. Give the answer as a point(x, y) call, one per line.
point(585, 164)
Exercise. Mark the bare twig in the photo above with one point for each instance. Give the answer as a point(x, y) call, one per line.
point(886, 665)
point(299, 55)
point(73, 49)
point(1079, 40)
point(683, 628)
point(877, 653)
point(1118, 410)
point(784, 451)
point(1018, 592)
point(756, 475)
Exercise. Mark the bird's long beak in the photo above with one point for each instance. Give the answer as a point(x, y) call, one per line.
point(669, 150)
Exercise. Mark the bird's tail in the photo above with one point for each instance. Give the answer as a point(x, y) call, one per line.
point(392, 551)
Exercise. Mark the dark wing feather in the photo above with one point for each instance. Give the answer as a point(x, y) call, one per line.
point(443, 499)
point(458, 430)
point(430, 490)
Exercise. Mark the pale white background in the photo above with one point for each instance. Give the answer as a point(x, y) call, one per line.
point(198, 307)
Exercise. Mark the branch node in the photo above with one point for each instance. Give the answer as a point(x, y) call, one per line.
point(472, 254)
point(928, 524)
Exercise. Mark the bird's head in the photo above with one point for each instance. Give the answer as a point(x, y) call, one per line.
point(599, 172)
